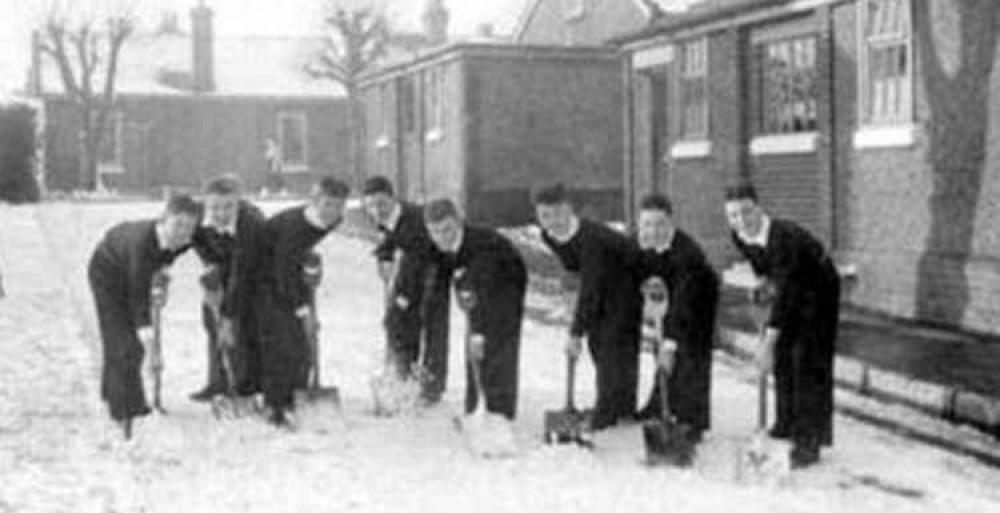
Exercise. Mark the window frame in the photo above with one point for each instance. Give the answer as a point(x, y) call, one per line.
point(302, 118)
point(698, 48)
point(791, 45)
point(867, 117)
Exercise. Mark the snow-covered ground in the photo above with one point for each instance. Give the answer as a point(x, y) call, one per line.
point(58, 452)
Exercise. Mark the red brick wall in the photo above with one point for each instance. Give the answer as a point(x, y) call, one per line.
point(190, 139)
point(602, 20)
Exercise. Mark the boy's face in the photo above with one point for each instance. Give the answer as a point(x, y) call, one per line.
point(745, 216)
point(330, 209)
point(556, 219)
point(178, 229)
point(655, 227)
point(220, 209)
point(379, 206)
point(444, 233)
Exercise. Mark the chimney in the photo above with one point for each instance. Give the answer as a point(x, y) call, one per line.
point(435, 18)
point(202, 42)
point(34, 85)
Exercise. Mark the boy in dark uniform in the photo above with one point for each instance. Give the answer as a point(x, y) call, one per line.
point(120, 273)
point(287, 321)
point(689, 326)
point(490, 275)
point(608, 307)
point(418, 294)
point(228, 241)
point(799, 340)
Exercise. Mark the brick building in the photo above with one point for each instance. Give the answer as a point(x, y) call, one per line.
point(192, 105)
point(871, 122)
point(486, 123)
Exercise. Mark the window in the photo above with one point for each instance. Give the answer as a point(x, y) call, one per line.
point(109, 153)
point(292, 140)
point(788, 86)
point(407, 102)
point(885, 62)
point(694, 89)
point(434, 87)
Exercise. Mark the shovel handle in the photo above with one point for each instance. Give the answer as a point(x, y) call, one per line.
point(762, 401)
point(570, 382)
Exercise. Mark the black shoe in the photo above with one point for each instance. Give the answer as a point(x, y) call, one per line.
point(804, 455)
point(205, 395)
point(647, 413)
point(601, 421)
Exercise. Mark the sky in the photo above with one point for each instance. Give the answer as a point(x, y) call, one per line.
point(267, 17)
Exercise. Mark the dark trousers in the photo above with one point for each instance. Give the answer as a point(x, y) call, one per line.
point(616, 361)
point(122, 355)
point(424, 323)
point(803, 373)
point(285, 353)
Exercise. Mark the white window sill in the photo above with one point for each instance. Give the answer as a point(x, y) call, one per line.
point(784, 144)
point(694, 149)
point(107, 168)
point(382, 142)
point(434, 135)
point(296, 168)
point(887, 136)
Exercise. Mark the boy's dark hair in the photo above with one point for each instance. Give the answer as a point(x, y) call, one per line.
point(550, 195)
point(223, 185)
point(657, 201)
point(333, 187)
point(741, 191)
point(183, 204)
point(377, 184)
point(439, 210)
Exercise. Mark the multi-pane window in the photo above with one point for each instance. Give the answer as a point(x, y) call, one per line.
point(109, 153)
point(694, 89)
point(434, 82)
point(886, 67)
point(292, 138)
point(788, 85)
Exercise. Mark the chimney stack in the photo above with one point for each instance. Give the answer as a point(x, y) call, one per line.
point(202, 43)
point(435, 18)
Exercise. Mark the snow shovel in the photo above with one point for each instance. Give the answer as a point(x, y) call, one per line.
point(489, 435)
point(566, 426)
point(667, 441)
point(763, 460)
point(158, 298)
point(315, 391)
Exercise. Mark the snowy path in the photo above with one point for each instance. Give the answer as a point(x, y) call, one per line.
point(56, 453)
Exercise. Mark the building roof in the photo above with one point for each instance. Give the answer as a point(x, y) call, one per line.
point(697, 12)
point(244, 66)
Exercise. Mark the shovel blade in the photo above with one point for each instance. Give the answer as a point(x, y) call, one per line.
point(764, 461)
point(668, 443)
point(565, 427)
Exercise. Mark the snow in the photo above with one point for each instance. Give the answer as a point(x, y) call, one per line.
point(58, 452)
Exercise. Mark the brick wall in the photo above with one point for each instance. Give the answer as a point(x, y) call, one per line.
point(188, 139)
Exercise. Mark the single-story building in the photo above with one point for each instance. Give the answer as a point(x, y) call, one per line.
point(873, 123)
point(487, 123)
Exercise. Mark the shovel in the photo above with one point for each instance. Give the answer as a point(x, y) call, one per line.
point(158, 293)
point(489, 435)
point(566, 425)
point(667, 441)
point(763, 460)
point(315, 391)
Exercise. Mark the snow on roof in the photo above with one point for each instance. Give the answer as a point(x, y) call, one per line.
point(244, 66)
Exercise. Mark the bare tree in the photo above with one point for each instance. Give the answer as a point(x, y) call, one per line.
point(355, 39)
point(86, 49)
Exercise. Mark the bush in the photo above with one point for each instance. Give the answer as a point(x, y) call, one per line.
point(18, 153)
